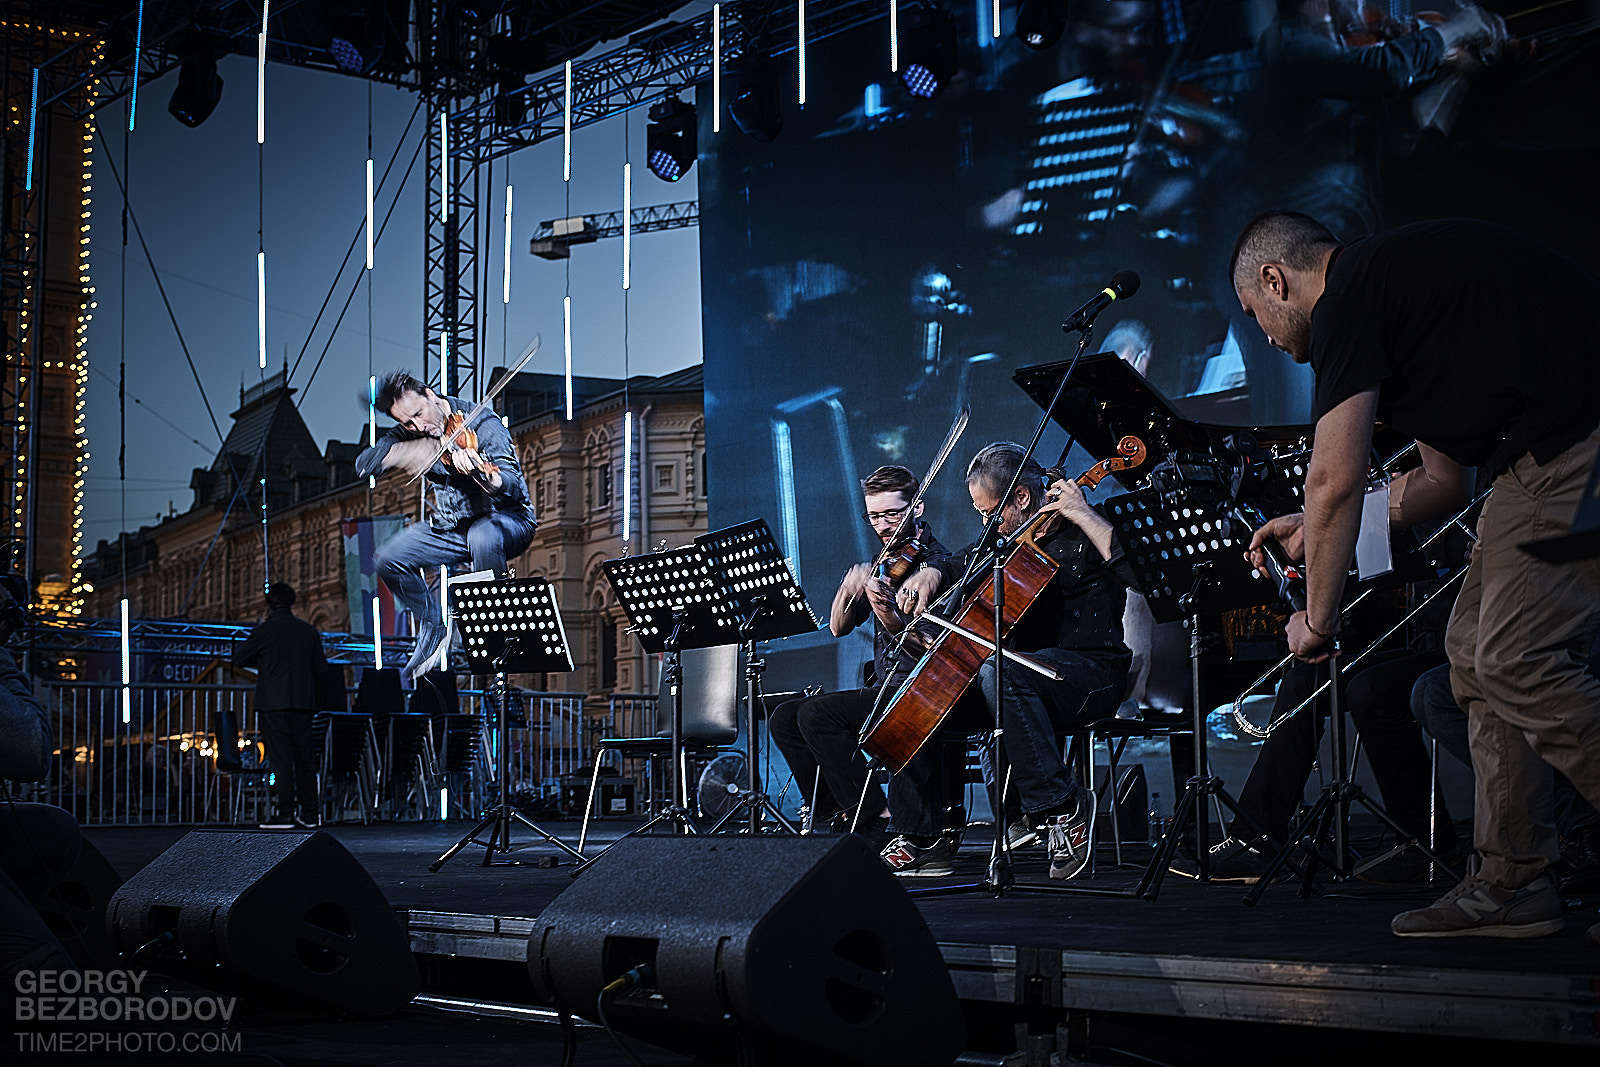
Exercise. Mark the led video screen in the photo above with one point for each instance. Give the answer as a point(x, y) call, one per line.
point(886, 260)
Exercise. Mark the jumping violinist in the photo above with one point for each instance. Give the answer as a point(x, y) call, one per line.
point(480, 514)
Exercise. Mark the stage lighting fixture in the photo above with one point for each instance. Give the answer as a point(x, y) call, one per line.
point(672, 139)
point(510, 102)
point(756, 105)
point(929, 52)
point(1040, 23)
point(354, 47)
point(199, 85)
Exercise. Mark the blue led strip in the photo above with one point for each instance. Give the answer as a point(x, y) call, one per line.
point(33, 115)
point(138, 44)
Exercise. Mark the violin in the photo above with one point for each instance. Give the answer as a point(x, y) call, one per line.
point(459, 437)
point(951, 663)
point(900, 559)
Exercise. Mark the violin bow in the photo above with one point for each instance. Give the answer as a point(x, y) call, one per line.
point(957, 428)
point(488, 398)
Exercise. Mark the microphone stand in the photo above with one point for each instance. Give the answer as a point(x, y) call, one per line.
point(1000, 878)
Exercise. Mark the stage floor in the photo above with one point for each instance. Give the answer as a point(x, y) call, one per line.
point(1197, 952)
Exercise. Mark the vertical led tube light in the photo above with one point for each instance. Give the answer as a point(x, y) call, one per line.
point(627, 222)
point(505, 292)
point(33, 122)
point(627, 475)
point(444, 166)
point(994, 19)
point(894, 37)
point(377, 633)
point(138, 46)
point(261, 80)
point(800, 46)
point(716, 68)
point(566, 343)
point(261, 308)
point(370, 236)
point(372, 422)
point(127, 667)
point(444, 610)
point(566, 129)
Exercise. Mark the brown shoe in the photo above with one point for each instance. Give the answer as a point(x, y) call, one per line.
point(1477, 909)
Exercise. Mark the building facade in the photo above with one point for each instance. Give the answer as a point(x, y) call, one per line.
point(209, 564)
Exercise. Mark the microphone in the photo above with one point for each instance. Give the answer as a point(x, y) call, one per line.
point(1124, 284)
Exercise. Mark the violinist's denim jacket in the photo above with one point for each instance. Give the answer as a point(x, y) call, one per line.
point(459, 498)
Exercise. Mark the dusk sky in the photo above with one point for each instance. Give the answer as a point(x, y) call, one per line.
point(194, 192)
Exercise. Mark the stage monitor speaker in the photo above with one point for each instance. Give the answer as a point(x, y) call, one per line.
point(63, 876)
point(782, 949)
point(286, 912)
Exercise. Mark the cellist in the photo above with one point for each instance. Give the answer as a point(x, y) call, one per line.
point(1074, 626)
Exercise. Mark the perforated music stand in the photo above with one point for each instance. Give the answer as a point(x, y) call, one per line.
point(511, 625)
point(752, 570)
point(723, 588)
point(1184, 549)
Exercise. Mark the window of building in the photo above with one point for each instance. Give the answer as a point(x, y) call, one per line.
point(666, 477)
point(602, 489)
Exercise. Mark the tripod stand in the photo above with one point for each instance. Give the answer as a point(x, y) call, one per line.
point(1329, 815)
point(1203, 787)
point(754, 800)
point(510, 625)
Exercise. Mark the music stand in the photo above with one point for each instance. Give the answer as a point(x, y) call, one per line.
point(716, 591)
point(747, 563)
point(511, 625)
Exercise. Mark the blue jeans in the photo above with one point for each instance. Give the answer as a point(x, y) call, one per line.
point(1036, 713)
point(485, 542)
point(1434, 705)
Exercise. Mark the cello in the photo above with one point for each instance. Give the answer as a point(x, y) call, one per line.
point(951, 663)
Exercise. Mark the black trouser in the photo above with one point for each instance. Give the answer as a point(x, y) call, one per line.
point(823, 732)
point(1378, 698)
point(293, 758)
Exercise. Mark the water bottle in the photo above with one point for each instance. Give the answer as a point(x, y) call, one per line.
point(1156, 819)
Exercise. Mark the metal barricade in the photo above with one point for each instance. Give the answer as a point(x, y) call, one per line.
point(144, 757)
point(146, 754)
point(547, 733)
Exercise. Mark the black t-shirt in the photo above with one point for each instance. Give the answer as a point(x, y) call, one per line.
point(1081, 610)
point(1476, 337)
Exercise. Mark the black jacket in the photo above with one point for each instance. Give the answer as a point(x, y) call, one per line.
point(288, 653)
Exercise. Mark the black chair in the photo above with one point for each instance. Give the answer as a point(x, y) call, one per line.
point(1100, 723)
point(349, 759)
point(710, 689)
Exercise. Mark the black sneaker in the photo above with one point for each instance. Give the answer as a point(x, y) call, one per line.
point(304, 824)
point(1230, 861)
point(911, 860)
point(1023, 833)
point(278, 822)
point(1071, 838)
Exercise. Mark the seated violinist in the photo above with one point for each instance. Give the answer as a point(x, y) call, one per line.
point(819, 733)
point(1074, 627)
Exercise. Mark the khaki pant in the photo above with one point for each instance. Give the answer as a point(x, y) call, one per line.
point(1518, 641)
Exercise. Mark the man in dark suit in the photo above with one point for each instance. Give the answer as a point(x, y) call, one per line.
point(287, 653)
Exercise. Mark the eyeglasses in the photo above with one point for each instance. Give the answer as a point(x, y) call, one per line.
point(987, 515)
point(893, 514)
